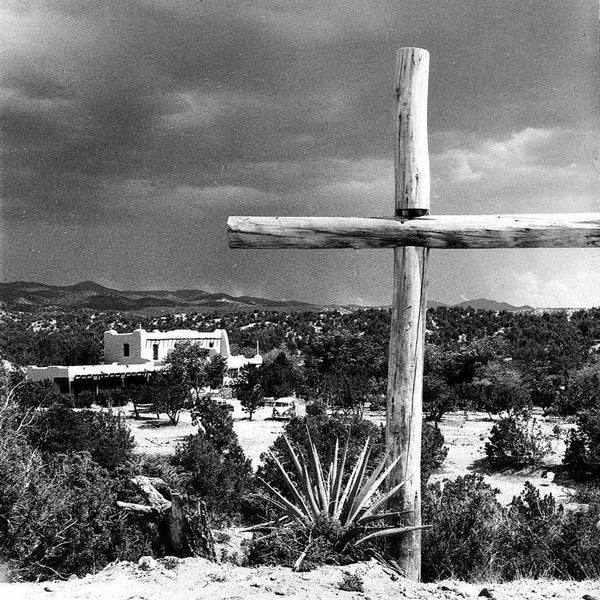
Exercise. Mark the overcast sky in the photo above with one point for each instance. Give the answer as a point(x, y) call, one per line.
point(131, 129)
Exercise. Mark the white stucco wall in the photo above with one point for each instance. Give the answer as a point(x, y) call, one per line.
point(141, 354)
point(142, 344)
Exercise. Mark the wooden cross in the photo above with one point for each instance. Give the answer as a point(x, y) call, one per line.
point(412, 232)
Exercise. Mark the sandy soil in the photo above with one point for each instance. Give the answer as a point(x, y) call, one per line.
point(198, 579)
point(158, 437)
point(465, 436)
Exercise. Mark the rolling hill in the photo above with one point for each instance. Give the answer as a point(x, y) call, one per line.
point(25, 295)
point(88, 294)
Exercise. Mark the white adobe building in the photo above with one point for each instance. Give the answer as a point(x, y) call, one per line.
point(132, 357)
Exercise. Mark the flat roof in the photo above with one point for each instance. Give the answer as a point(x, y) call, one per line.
point(90, 371)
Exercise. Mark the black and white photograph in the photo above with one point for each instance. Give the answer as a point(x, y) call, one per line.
point(299, 299)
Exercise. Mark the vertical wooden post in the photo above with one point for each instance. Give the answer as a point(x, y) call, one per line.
point(409, 304)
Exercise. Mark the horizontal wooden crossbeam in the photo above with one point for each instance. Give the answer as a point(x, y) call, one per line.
point(567, 230)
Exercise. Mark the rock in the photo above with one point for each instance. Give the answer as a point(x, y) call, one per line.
point(278, 589)
point(590, 597)
point(486, 593)
point(48, 588)
point(73, 577)
point(450, 586)
point(147, 563)
point(170, 562)
point(218, 576)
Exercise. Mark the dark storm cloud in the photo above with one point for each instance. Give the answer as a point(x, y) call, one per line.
point(118, 115)
point(287, 85)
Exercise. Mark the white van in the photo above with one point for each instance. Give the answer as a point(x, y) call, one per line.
point(284, 408)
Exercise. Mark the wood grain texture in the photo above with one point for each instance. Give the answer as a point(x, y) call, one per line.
point(404, 414)
point(411, 148)
point(568, 230)
point(404, 397)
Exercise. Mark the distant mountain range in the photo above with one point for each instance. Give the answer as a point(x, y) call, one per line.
point(23, 295)
point(26, 295)
point(485, 304)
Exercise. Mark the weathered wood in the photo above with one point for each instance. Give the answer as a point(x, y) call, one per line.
point(148, 485)
point(411, 233)
point(148, 511)
point(409, 305)
point(189, 530)
point(567, 230)
point(411, 149)
point(182, 522)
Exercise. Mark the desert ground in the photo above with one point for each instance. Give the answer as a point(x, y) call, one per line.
point(465, 435)
point(197, 579)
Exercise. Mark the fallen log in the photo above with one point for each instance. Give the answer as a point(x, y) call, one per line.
point(182, 521)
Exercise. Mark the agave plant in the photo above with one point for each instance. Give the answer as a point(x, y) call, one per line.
point(353, 504)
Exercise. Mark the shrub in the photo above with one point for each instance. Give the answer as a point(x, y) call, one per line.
point(582, 454)
point(473, 537)
point(57, 511)
point(527, 537)
point(516, 441)
point(351, 582)
point(104, 436)
point(18, 460)
point(539, 539)
point(40, 394)
point(296, 547)
point(500, 387)
point(378, 403)
point(463, 515)
point(433, 451)
point(348, 503)
point(211, 464)
point(109, 398)
point(325, 429)
point(577, 551)
point(65, 521)
point(61, 523)
point(84, 399)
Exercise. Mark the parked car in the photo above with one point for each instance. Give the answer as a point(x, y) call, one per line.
point(225, 404)
point(284, 408)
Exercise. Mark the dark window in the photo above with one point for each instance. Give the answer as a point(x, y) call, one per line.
point(211, 344)
point(125, 349)
point(155, 352)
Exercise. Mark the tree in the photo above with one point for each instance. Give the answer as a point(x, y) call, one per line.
point(168, 394)
point(344, 370)
point(186, 363)
point(500, 387)
point(249, 390)
point(188, 368)
point(279, 376)
point(582, 392)
point(438, 397)
point(214, 371)
point(582, 454)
